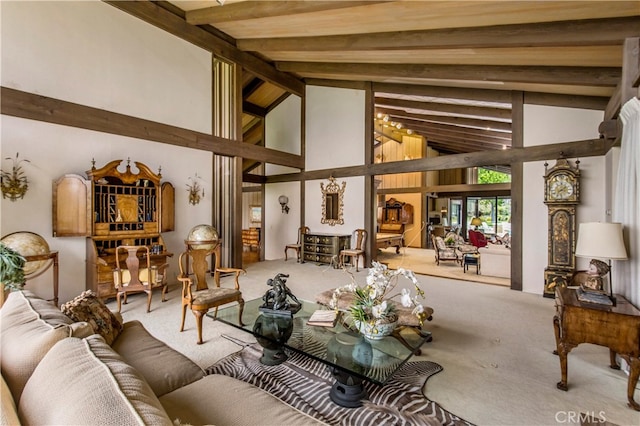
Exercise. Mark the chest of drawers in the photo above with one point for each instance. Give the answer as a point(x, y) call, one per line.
point(323, 248)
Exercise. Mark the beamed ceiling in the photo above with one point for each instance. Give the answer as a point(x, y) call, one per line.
point(446, 70)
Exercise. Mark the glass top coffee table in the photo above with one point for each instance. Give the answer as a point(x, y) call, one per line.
point(350, 357)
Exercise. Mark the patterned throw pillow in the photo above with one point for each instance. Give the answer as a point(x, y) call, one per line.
point(88, 307)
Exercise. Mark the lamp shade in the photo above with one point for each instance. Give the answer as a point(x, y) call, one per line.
point(601, 240)
point(476, 221)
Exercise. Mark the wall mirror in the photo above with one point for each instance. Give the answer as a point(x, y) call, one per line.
point(332, 202)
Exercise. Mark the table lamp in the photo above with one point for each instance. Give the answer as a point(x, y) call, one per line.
point(476, 221)
point(601, 240)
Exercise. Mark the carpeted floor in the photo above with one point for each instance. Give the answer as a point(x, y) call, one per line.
point(495, 346)
point(305, 383)
point(422, 261)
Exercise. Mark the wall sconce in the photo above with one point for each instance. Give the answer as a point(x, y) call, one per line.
point(283, 200)
point(14, 185)
point(196, 192)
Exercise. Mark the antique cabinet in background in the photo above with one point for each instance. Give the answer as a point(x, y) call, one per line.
point(395, 211)
point(113, 208)
point(323, 248)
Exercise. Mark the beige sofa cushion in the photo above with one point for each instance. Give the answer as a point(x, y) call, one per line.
point(8, 411)
point(164, 368)
point(222, 400)
point(30, 327)
point(85, 382)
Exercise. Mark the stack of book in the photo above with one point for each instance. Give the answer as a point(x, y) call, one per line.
point(323, 318)
point(585, 294)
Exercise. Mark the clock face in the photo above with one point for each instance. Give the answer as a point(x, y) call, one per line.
point(560, 187)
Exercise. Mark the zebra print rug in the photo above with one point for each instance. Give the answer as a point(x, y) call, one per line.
point(304, 383)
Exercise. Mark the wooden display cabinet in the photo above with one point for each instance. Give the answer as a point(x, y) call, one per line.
point(397, 212)
point(113, 208)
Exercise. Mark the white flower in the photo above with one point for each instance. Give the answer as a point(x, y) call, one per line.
point(405, 298)
point(378, 310)
point(418, 310)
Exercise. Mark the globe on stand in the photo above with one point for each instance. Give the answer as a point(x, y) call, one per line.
point(202, 237)
point(28, 244)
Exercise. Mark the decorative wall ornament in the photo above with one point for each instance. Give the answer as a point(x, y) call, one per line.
point(283, 200)
point(14, 184)
point(332, 202)
point(196, 192)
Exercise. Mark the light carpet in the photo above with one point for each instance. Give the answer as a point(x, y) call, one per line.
point(304, 383)
point(495, 346)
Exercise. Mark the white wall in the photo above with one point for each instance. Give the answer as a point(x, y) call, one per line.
point(334, 138)
point(91, 53)
point(280, 228)
point(283, 131)
point(335, 120)
point(546, 125)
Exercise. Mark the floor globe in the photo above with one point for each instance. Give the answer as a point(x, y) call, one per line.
point(200, 234)
point(28, 244)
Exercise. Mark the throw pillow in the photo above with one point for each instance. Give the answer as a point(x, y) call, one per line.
point(88, 307)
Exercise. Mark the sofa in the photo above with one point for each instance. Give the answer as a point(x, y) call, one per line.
point(495, 260)
point(58, 371)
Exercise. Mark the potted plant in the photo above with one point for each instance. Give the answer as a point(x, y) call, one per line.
point(450, 241)
point(11, 269)
point(373, 313)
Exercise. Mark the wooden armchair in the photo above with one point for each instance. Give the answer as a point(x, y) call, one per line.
point(443, 252)
point(298, 245)
point(360, 237)
point(200, 301)
point(134, 279)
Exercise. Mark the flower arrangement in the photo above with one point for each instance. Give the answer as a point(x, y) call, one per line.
point(372, 303)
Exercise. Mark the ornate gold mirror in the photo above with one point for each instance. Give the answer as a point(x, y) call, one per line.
point(332, 202)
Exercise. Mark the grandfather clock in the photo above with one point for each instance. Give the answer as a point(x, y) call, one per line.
point(561, 195)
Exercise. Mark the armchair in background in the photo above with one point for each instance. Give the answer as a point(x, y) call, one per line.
point(460, 245)
point(443, 252)
point(477, 238)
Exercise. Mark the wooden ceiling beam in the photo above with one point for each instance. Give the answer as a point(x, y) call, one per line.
point(265, 9)
point(472, 123)
point(173, 24)
point(253, 109)
point(595, 32)
point(500, 137)
point(485, 95)
point(581, 149)
point(567, 101)
point(56, 111)
point(386, 135)
point(570, 76)
point(253, 85)
point(476, 111)
point(462, 133)
point(470, 144)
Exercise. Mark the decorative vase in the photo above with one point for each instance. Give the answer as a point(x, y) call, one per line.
point(377, 330)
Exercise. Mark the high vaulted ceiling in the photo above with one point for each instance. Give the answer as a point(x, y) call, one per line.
point(447, 70)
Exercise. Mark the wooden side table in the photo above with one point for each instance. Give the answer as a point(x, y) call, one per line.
point(52, 257)
point(616, 327)
point(471, 259)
